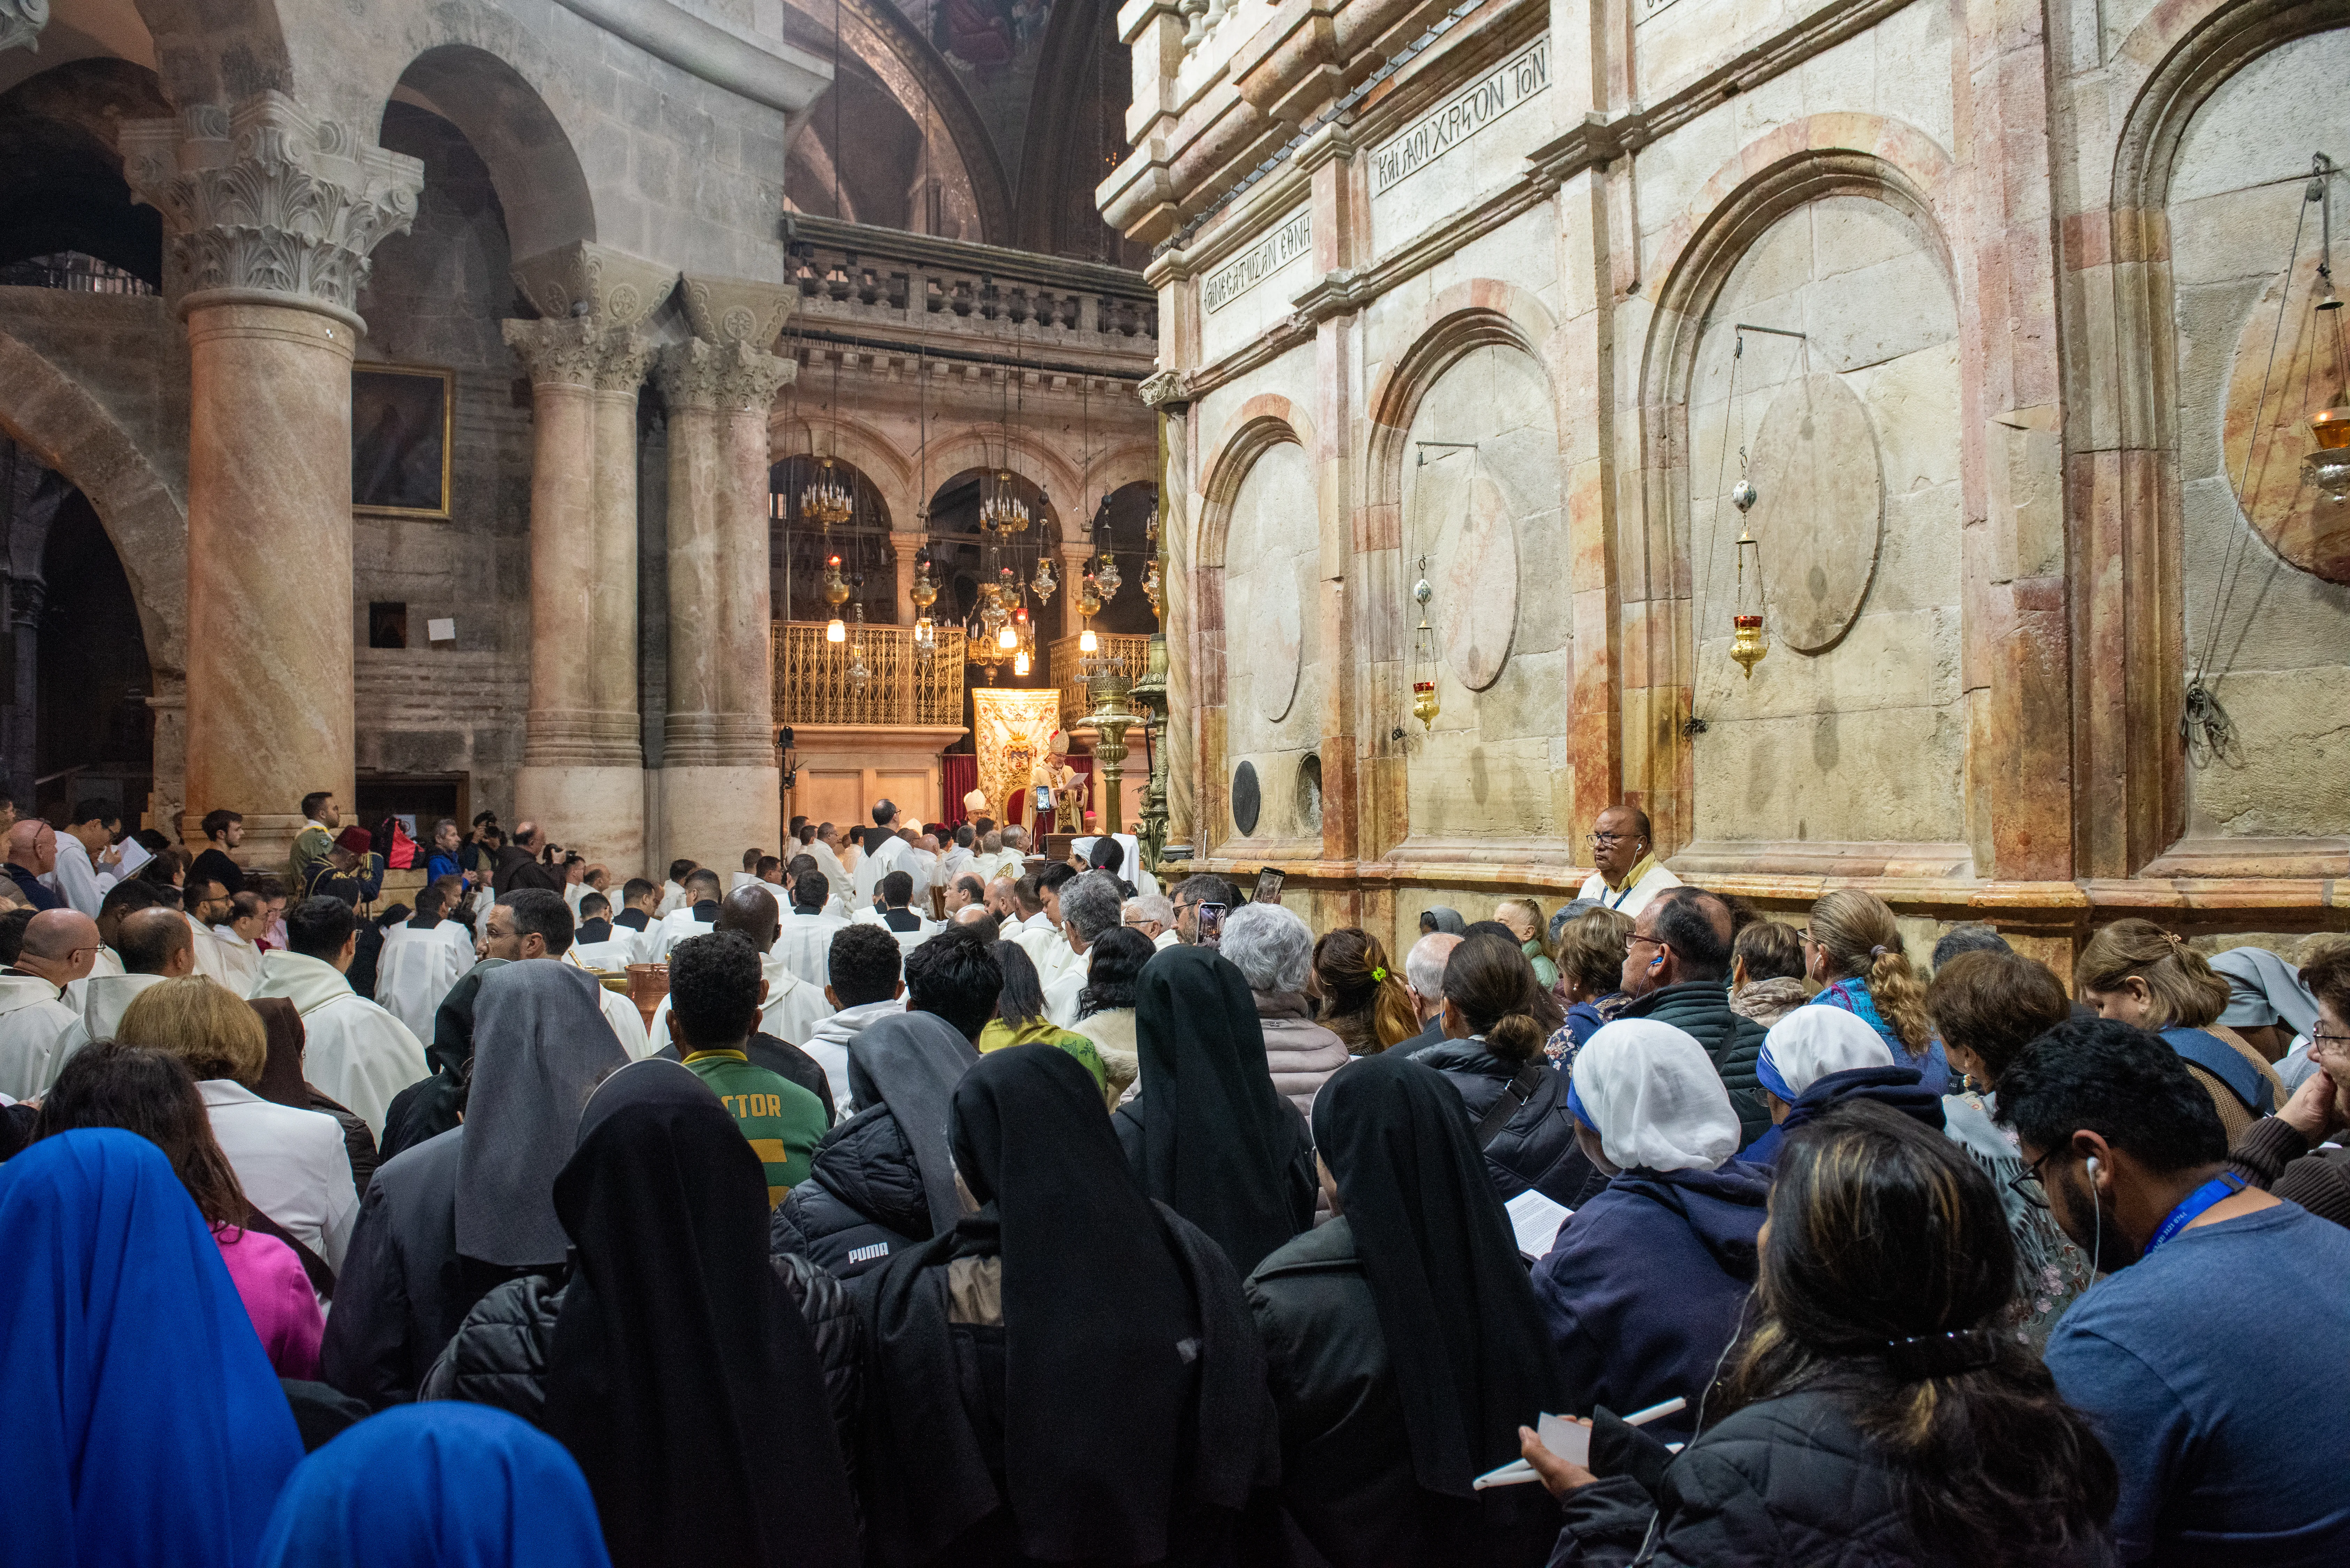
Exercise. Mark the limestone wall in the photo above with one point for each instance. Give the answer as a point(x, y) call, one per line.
point(1487, 280)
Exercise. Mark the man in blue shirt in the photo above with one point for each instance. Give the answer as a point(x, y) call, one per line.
point(2211, 1360)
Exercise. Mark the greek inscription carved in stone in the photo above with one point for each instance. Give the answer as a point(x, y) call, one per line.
point(1264, 258)
point(1463, 116)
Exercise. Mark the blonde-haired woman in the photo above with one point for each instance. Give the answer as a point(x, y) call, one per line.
point(2136, 971)
point(1852, 950)
point(292, 1164)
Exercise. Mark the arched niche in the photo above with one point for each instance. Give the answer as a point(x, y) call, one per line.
point(1122, 525)
point(2264, 609)
point(1853, 729)
point(1478, 486)
point(61, 184)
point(1264, 695)
point(799, 546)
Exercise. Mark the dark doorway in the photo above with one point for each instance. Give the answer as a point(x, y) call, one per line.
point(93, 733)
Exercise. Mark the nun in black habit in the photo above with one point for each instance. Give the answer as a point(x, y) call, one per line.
point(882, 1181)
point(461, 1212)
point(1207, 1133)
point(1068, 1375)
point(681, 1375)
point(1403, 1341)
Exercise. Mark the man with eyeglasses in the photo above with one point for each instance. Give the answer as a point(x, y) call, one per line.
point(60, 946)
point(2282, 1152)
point(1677, 971)
point(2209, 1359)
point(1629, 874)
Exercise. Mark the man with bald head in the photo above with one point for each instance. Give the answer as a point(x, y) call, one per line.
point(789, 1007)
point(1423, 976)
point(154, 946)
point(1629, 874)
point(33, 854)
point(60, 946)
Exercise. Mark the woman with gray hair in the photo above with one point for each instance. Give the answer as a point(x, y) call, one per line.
point(1273, 950)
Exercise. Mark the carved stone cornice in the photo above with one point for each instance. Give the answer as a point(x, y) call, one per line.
point(1168, 389)
point(268, 201)
point(721, 376)
point(736, 310)
point(21, 22)
point(580, 351)
point(618, 289)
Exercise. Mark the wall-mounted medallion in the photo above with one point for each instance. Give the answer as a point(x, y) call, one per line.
point(1820, 520)
point(1477, 581)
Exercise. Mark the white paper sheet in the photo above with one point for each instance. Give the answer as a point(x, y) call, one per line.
point(1535, 1219)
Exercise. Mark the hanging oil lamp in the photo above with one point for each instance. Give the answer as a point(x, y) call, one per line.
point(924, 592)
point(824, 498)
point(1151, 589)
point(1424, 706)
point(1748, 643)
point(2328, 468)
point(860, 677)
point(1044, 584)
point(835, 594)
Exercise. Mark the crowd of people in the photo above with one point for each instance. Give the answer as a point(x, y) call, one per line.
point(957, 1205)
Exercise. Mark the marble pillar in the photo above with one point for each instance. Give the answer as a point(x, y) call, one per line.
point(272, 215)
point(582, 777)
point(903, 548)
point(1076, 554)
point(720, 788)
point(1167, 393)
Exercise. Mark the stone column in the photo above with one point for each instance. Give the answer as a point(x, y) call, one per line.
point(582, 777)
point(720, 788)
point(903, 548)
point(1075, 553)
point(271, 216)
point(1167, 393)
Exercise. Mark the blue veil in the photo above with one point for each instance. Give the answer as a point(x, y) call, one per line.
point(446, 1482)
point(139, 1420)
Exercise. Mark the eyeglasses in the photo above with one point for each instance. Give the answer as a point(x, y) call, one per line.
point(1652, 942)
point(2027, 1184)
point(1602, 840)
point(2322, 1042)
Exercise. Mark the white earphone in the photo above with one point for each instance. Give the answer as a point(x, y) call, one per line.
point(2093, 1167)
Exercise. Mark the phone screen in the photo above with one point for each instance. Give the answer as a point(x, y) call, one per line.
point(1212, 925)
point(1268, 886)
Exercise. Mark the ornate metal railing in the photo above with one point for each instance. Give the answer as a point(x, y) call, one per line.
point(814, 680)
point(1069, 672)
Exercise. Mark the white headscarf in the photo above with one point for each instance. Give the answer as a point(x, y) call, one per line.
point(1651, 1094)
point(1813, 1041)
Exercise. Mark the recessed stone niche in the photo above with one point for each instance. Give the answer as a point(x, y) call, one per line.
point(1819, 519)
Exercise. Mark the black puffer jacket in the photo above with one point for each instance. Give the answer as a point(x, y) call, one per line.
point(499, 1357)
point(863, 1200)
point(1700, 1009)
point(1790, 1480)
point(1536, 1147)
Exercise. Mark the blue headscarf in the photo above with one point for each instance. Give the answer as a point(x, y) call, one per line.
point(445, 1482)
point(140, 1421)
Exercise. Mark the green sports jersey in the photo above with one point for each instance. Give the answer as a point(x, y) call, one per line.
point(781, 1120)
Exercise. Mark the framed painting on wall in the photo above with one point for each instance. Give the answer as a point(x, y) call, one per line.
point(401, 417)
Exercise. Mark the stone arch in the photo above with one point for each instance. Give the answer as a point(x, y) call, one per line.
point(1266, 421)
point(857, 443)
point(1806, 161)
point(1475, 314)
point(532, 165)
point(984, 445)
point(46, 411)
point(961, 150)
point(2170, 66)
point(1129, 463)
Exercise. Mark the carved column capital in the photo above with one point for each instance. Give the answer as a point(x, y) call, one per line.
point(1168, 390)
point(21, 22)
point(266, 200)
point(726, 378)
point(580, 351)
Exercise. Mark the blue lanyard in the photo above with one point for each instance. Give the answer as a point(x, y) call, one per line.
point(2217, 1190)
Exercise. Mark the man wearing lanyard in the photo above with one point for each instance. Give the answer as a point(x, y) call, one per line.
point(2212, 1357)
point(1630, 875)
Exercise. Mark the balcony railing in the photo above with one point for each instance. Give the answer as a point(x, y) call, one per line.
point(1076, 701)
point(905, 684)
point(887, 282)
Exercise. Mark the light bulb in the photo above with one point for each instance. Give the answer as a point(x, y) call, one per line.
point(835, 630)
point(1006, 637)
point(1087, 642)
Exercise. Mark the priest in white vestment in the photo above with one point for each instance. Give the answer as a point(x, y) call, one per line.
point(414, 971)
point(805, 944)
point(529, 924)
point(672, 892)
point(34, 1021)
point(240, 959)
point(891, 854)
point(357, 1055)
point(75, 877)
